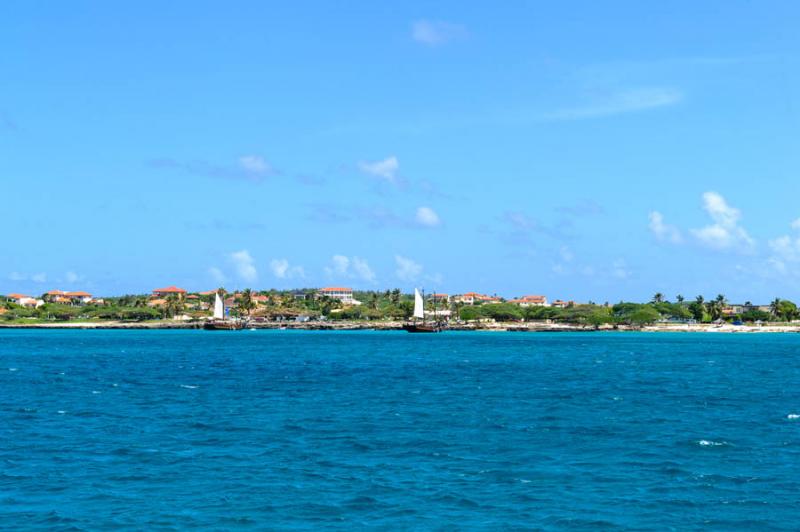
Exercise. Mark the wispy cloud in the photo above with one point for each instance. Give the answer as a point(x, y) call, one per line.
point(407, 269)
point(725, 233)
point(625, 101)
point(385, 169)
point(344, 267)
point(255, 165)
point(250, 167)
point(427, 217)
point(217, 275)
point(437, 32)
point(283, 270)
point(244, 264)
point(28, 277)
point(247, 167)
point(786, 251)
point(663, 231)
point(374, 216)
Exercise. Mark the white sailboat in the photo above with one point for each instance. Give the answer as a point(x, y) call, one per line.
point(219, 323)
point(419, 305)
point(419, 313)
point(219, 307)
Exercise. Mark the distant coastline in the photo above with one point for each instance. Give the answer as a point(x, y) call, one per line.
point(342, 325)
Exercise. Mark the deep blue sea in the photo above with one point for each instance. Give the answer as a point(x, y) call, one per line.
point(310, 430)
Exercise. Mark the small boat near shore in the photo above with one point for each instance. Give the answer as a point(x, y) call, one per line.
point(419, 312)
point(219, 322)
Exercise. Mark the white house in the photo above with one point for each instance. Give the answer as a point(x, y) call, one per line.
point(345, 295)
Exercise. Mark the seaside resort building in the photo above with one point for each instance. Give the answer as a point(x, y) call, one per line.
point(345, 295)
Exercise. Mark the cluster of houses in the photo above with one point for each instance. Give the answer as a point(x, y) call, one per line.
point(54, 296)
point(159, 298)
point(474, 298)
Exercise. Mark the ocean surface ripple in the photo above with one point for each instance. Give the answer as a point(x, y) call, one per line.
point(307, 430)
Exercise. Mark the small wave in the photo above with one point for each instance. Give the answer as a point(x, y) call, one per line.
point(13, 369)
point(188, 386)
point(95, 392)
point(793, 416)
point(62, 411)
point(711, 443)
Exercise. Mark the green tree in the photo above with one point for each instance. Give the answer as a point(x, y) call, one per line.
point(658, 297)
point(775, 307)
point(246, 303)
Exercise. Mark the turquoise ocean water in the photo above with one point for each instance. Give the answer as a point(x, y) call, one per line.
point(309, 430)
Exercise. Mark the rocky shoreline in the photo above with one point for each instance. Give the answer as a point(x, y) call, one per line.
point(396, 325)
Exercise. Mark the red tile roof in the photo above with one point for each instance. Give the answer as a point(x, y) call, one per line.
point(336, 289)
point(169, 290)
point(78, 294)
point(17, 296)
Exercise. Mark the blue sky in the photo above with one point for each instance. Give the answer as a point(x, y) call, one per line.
point(581, 150)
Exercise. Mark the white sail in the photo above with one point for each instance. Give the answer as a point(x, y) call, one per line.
point(419, 307)
point(219, 309)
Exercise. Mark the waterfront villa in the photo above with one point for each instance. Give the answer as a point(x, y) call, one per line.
point(440, 298)
point(169, 291)
point(68, 298)
point(562, 304)
point(530, 301)
point(471, 298)
point(345, 295)
point(25, 301)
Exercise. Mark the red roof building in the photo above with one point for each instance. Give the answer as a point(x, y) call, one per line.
point(169, 291)
point(530, 301)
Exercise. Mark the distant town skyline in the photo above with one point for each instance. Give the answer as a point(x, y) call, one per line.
point(513, 149)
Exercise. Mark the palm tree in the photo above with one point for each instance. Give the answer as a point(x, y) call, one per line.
point(658, 298)
point(173, 306)
point(775, 307)
point(246, 302)
point(679, 298)
point(373, 300)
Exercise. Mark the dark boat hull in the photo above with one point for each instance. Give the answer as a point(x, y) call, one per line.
point(223, 326)
point(414, 328)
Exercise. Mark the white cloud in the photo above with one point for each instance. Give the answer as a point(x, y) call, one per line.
point(244, 265)
point(72, 277)
point(724, 233)
point(385, 169)
point(627, 101)
point(339, 266)
point(663, 231)
point(433, 33)
point(619, 269)
point(254, 164)
point(407, 269)
point(363, 270)
point(35, 277)
point(427, 217)
point(283, 270)
point(353, 268)
point(785, 250)
point(217, 275)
